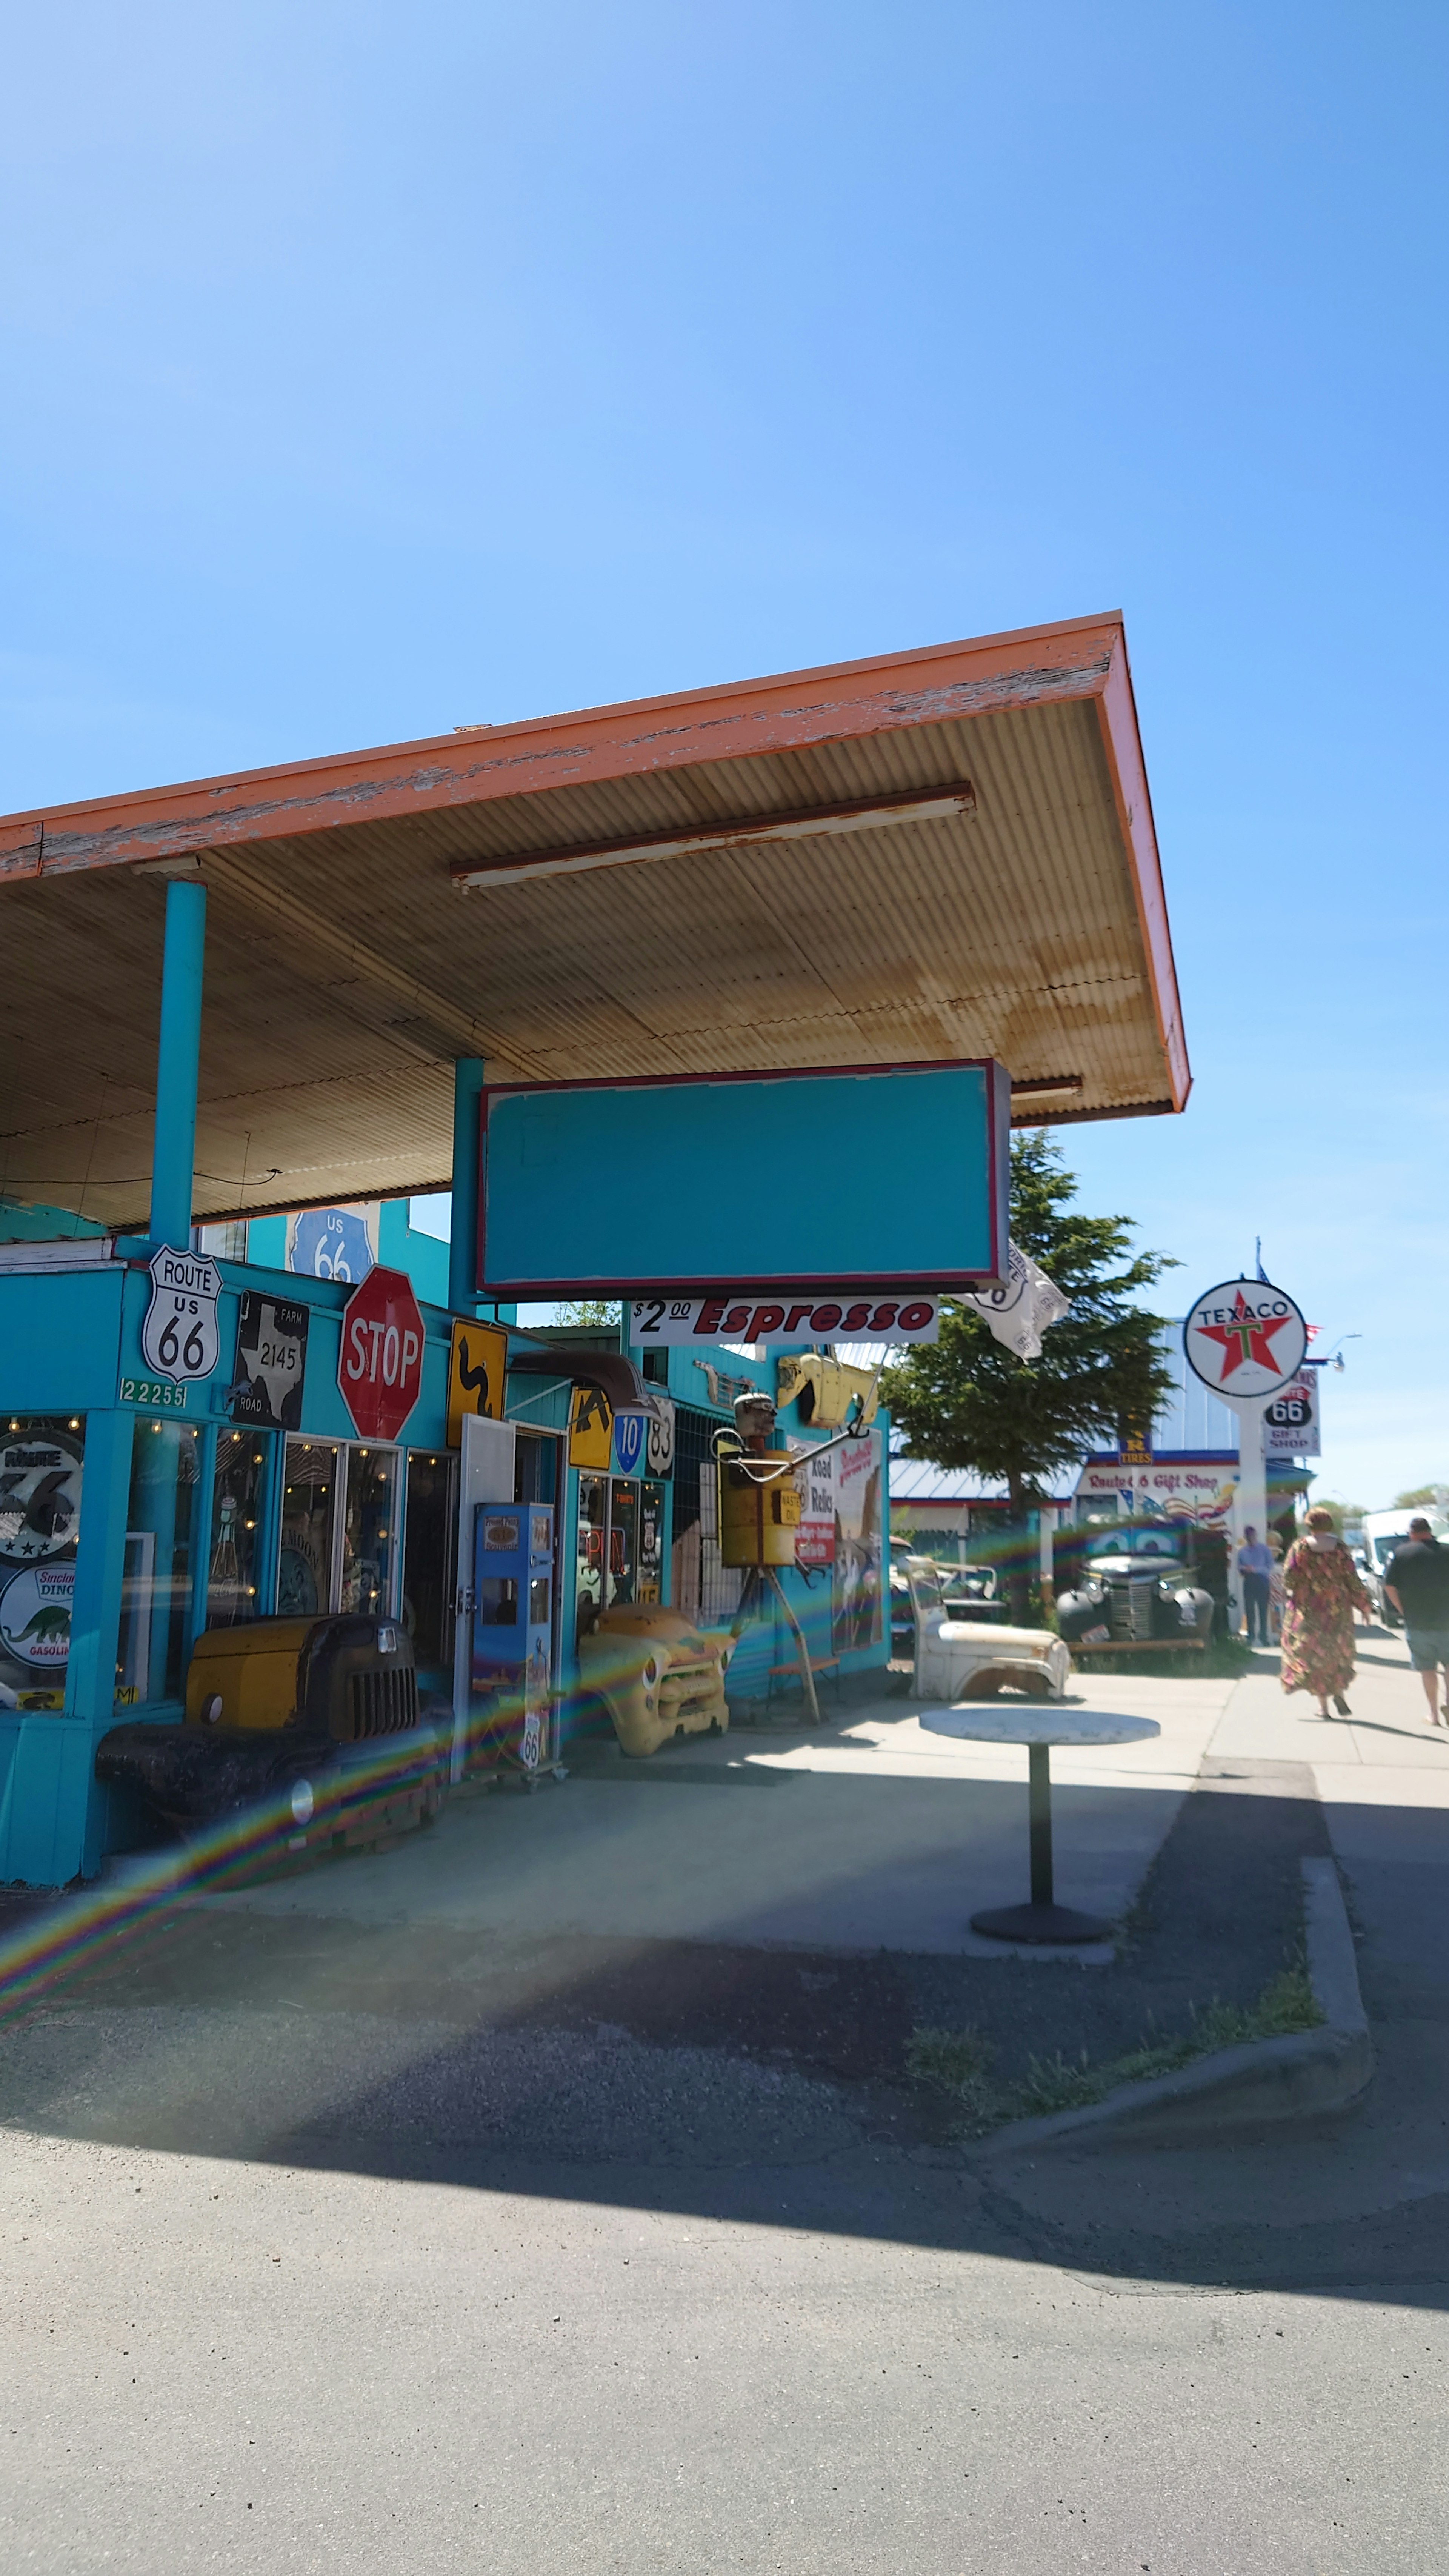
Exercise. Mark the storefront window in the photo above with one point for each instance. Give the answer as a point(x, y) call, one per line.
point(237, 1500)
point(41, 1458)
point(651, 1541)
point(369, 1541)
point(309, 1498)
point(156, 1582)
point(623, 1541)
point(589, 1560)
point(428, 1557)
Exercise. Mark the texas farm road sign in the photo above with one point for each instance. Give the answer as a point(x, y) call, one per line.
point(1244, 1339)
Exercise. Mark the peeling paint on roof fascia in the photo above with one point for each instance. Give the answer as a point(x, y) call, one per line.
point(528, 768)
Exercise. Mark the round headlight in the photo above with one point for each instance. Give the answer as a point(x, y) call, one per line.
point(303, 1802)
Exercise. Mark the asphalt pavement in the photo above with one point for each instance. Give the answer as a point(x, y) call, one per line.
point(310, 2266)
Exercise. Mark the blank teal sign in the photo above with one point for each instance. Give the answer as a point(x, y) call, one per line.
point(883, 1176)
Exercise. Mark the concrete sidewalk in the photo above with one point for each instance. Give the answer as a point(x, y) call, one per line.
point(1382, 1773)
point(876, 1837)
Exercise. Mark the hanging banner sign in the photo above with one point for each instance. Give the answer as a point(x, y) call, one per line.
point(1245, 1339)
point(179, 1338)
point(1290, 1422)
point(785, 1315)
point(1025, 1305)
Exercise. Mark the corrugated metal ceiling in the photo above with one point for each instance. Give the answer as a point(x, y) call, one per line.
point(345, 969)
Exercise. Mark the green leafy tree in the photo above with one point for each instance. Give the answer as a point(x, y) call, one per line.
point(966, 1401)
point(1420, 1496)
point(588, 1311)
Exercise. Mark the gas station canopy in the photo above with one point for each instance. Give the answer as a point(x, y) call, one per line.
point(934, 854)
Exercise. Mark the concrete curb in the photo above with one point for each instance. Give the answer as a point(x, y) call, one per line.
point(1299, 2077)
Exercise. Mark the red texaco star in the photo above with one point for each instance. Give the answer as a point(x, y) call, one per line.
point(1244, 1340)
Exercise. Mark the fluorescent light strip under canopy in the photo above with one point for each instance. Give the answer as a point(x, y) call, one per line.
point(863, 814)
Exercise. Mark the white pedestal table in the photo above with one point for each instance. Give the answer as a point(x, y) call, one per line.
point(1038, 1728)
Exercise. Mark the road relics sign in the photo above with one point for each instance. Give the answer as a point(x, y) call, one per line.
point(1290, 1422)
point(180, 1339)
point(271, 1362)
point(380, 1359)
point(815, 1485)
point(1245, 1339)
point(783, 1315)
point(611, 1188)
point(477, 1369)
point(1022, 1308)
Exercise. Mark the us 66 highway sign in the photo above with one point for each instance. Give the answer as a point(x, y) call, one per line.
point(179, 1337)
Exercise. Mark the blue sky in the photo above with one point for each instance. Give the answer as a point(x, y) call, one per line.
point(375, 371)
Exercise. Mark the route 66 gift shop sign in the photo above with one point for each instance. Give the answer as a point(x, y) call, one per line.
point(1245, 1339)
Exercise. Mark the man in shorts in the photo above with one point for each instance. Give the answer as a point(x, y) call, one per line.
point(1417, 1583)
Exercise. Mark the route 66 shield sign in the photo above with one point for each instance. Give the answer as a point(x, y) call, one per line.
point(179, 1338)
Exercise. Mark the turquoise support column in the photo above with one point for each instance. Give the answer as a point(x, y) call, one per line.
point(467, 1150)
point(173, 1150)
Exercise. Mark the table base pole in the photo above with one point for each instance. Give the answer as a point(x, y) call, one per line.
point(1040, 1923)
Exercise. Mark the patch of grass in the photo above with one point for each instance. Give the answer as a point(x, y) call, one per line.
point(960, 2061)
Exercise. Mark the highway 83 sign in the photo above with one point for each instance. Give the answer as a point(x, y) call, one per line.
point(1245, 1339)
point(179, 1337)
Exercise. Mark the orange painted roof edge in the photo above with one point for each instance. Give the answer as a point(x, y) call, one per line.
point(1072, 658)
point(475, 763)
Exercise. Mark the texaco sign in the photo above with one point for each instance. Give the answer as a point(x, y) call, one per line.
point(1245, 1339)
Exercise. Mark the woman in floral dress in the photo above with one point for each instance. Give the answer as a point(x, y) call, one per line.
point(1323, 1593)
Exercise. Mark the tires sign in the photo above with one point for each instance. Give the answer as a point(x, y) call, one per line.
point(1245, 1339)
point(179, 1338)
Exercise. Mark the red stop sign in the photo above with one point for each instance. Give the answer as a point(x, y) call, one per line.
point(380, 1363)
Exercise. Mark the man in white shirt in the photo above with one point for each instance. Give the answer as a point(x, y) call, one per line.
point(1255, 1567)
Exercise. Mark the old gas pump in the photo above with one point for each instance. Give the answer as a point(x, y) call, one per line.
point(512, 1634)
point(759, 1515)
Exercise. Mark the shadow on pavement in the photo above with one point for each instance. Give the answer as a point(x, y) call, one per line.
point(768, 2084)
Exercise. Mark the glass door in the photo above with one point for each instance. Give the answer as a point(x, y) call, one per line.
point(369, 1533)
point(592, 1536)
point(309, 1527)
point(623, 1540)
